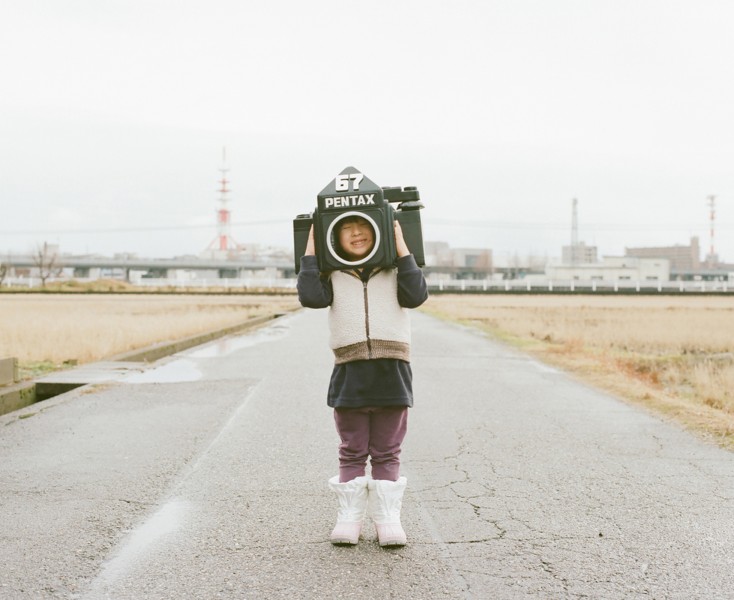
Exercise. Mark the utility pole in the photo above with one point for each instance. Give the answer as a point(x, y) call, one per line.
point(711, 260)
point(575, 232)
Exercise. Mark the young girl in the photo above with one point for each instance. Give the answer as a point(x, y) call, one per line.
point(371, 384)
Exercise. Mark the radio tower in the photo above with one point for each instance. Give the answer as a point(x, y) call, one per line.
point(712, 259)
point(224, 241)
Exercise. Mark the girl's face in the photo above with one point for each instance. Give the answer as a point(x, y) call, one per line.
point(356, 238)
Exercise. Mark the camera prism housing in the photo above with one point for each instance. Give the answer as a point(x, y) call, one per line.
point(351, 194)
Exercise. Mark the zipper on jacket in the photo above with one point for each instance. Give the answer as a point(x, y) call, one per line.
point(367, 320)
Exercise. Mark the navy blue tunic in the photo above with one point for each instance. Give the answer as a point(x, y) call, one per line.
point(377, 382)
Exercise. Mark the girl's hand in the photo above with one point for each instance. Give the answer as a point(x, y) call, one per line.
point(400, 244)
point(310, 244)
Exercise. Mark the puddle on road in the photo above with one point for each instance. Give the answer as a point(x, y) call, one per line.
point(185, 369)
point(176, 371)
point(230, 344)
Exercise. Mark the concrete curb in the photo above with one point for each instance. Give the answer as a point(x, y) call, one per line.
point(161, 349)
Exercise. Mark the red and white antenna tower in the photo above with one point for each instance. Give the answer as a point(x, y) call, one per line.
point(224, 240)
point(712, 258)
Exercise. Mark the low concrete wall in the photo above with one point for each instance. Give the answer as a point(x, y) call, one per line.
point(17, 396)
point(8, 371)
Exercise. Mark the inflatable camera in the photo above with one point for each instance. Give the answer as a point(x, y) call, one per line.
point(353, 198)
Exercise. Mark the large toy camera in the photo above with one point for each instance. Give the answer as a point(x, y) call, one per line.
point(351, 197)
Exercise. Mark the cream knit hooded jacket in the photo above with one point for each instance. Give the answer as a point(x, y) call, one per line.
point(366, 321)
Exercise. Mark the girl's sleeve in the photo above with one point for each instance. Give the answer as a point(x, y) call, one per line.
point(314, 291)
point(412, 288)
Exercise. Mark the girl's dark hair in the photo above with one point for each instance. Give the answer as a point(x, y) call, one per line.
point(349, 219)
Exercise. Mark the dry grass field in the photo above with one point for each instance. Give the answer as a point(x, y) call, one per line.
point(47, 331)
point(673, 355)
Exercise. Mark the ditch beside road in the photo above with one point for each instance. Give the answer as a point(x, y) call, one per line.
point(205, 476)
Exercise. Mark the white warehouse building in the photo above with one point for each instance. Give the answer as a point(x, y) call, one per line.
point(613, 269)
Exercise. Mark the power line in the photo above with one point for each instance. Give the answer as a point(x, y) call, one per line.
point(473, 224)
point(586, 227)
point(137, 229)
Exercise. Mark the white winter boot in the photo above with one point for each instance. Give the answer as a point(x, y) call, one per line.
point(385, 502)
point(352, 497)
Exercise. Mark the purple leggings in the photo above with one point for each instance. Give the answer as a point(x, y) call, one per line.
point(373, 431)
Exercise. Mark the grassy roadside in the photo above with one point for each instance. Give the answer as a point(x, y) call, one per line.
point(672, 357)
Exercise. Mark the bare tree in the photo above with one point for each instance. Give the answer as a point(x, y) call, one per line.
point(46, 259)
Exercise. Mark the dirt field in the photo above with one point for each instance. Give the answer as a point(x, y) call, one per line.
point(673, 355)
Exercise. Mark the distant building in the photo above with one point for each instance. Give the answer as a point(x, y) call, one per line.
point(579, 253)
point(459, 263)
point(476, 258)
point(683, 259)
point(437, 253)
point(613, 268)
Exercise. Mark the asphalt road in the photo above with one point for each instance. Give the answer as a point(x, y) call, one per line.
point(204, 476)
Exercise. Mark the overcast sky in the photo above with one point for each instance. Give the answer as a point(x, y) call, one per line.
point(114, 113)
